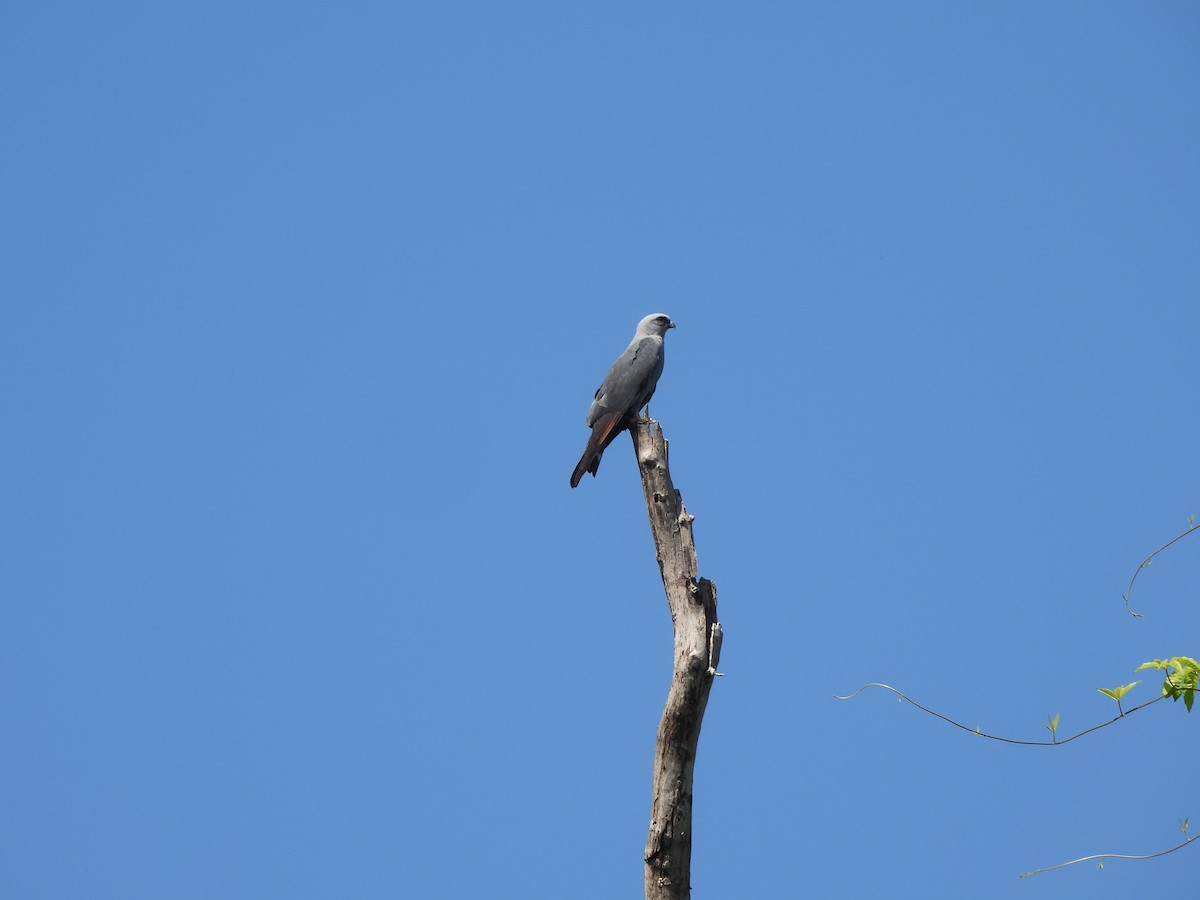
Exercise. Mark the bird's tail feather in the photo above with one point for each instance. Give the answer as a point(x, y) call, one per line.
point(589, 462)
point(603, 434)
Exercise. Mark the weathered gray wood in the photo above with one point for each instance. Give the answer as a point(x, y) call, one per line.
point(693, 604)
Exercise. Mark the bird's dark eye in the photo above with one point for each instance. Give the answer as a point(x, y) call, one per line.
point(662, 320)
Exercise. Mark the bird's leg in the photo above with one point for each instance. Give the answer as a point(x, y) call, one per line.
point(646, 411)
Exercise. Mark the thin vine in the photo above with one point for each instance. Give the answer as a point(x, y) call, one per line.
point(1103, 856)
point(1192, 526)
point(1052, 726)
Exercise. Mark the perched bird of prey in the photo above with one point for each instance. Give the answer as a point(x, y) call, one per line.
point(626, 388)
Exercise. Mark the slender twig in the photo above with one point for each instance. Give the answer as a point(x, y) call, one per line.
point(1146, 562)
point(993, 737)
point(1190, 840)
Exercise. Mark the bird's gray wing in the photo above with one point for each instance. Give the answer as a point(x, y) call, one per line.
point(626, 388)
point(631, 381)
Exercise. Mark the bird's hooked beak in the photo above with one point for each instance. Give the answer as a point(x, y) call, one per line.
point(672, 325)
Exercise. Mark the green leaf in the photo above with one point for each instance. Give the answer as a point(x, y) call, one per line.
point(1182, 678)
point(1118, 692)
point(1052, 724)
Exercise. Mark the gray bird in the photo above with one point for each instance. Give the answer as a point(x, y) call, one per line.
point(626, 388)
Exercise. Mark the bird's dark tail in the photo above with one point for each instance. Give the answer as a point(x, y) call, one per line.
point(604, 431)
point(589, 462)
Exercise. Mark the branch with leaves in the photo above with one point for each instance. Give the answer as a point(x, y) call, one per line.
point(1051, 723)
point(1181, 680)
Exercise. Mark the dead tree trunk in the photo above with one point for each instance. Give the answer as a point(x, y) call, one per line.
point(693, 604)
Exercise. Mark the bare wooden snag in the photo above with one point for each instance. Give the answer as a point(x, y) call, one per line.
point(693, 604)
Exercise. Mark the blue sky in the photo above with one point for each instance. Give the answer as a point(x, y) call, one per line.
point(303, 306)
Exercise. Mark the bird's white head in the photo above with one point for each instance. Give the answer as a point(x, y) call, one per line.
point(655, 324)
